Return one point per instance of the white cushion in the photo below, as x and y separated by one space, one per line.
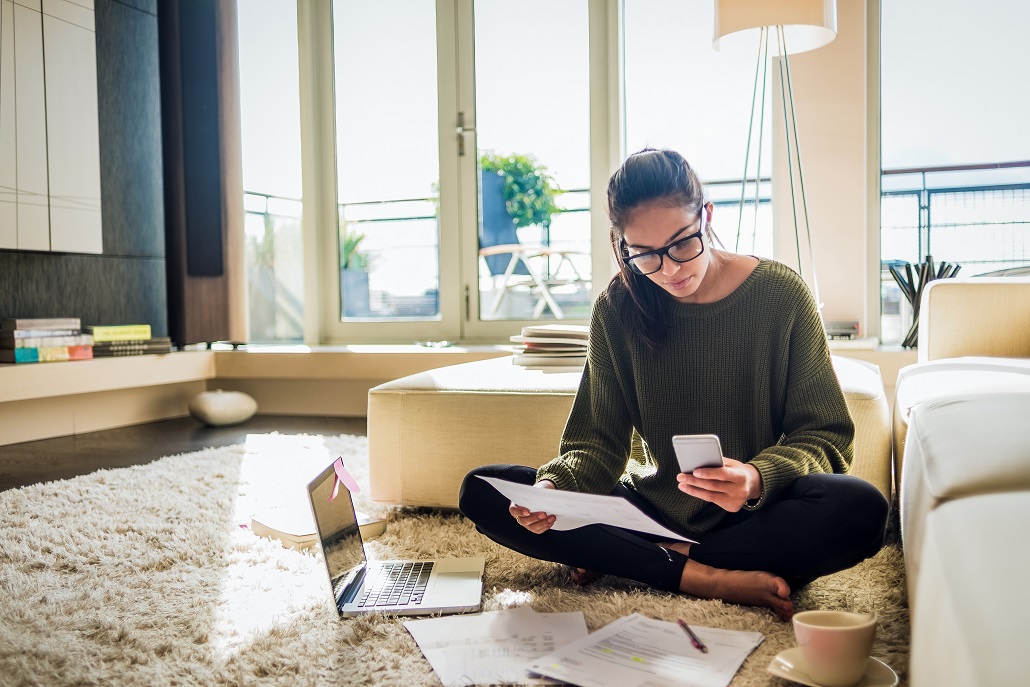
220 408
945 378
969 612
959 447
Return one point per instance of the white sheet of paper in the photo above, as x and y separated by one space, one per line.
574 509
494 647
634 651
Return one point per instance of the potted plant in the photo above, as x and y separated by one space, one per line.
354 266
517 191
529 191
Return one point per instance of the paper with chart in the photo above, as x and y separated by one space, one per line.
635 651
575 509
494 647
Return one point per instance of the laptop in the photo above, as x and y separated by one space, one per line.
396 587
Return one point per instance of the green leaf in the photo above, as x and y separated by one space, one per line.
529 191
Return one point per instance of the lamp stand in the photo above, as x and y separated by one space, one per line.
798 199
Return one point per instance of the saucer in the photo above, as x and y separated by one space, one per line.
790 665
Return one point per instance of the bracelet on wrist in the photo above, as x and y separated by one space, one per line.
753 504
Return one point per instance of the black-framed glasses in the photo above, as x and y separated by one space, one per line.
683 250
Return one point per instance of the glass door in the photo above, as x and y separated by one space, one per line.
527 80
394 283
462 137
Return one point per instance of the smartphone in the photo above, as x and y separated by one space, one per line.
697 451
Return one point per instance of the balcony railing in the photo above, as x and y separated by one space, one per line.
974 215
977 216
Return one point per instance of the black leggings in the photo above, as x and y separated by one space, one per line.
818 525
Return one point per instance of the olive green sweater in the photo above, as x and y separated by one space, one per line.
753 368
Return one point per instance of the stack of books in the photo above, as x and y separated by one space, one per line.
43 340
127 339
551 346
294 527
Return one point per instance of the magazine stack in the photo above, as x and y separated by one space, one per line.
114 340
551 346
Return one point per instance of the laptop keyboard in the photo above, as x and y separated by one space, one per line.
396 584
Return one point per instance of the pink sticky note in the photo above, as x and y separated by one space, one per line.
343 476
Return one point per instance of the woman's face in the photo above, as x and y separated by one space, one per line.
654 226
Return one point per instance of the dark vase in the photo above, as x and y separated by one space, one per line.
354 293
497 228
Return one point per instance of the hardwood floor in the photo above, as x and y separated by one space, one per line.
52 459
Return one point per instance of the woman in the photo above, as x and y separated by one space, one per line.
692 339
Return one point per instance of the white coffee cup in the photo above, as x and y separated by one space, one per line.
835 645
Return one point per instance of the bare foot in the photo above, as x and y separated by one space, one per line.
583 577
749 587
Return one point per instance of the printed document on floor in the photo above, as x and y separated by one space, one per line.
493 648
634 651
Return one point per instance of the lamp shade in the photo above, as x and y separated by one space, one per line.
807 24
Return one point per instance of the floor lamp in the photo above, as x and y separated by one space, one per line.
779 28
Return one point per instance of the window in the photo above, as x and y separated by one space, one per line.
533 116
412 107
440 110
387 160
270 110
956 176
447 166
682 94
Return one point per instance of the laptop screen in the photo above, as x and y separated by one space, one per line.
338 531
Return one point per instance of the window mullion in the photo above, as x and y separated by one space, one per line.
318 165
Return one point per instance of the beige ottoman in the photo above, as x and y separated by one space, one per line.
427 430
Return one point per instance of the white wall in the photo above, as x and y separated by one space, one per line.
837 119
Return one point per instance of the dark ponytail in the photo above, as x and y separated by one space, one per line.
648 176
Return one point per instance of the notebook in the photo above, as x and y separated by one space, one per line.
397 587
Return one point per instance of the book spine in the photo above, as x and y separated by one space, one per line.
120 332
44 341
162 345
156 341
20 355
12 334
41 323
46 354
121 352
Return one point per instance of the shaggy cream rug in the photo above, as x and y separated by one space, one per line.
147 576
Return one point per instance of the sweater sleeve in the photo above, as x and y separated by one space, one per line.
595 446
818 431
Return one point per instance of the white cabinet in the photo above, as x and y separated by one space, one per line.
30 125
8 138
49 134
73 145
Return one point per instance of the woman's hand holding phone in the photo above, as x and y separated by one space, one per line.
728 487
707 474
